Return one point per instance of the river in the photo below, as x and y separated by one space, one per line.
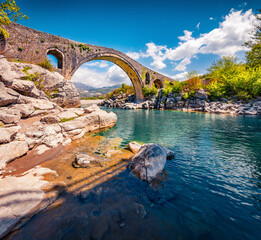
211 190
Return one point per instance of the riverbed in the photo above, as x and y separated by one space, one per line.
211 190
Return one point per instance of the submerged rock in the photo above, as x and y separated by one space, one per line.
150 161
134 147
82 160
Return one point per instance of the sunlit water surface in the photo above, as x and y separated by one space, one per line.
212 188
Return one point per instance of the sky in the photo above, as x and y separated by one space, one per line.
171 37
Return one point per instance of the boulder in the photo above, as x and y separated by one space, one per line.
52 135
82 160
106 119
50 119
170 103
78 123
201 94
11 151
134 147
67 114
91 109
24 109
7 134
5 97
150 161
53 140
8 116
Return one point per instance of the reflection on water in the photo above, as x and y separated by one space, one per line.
212 190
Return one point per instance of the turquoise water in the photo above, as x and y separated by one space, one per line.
211 190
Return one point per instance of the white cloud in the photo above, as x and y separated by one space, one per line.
92 77
103 65
92 64
133 55
100 64
211 18
225 40
182 65
187 36
180 76
198 25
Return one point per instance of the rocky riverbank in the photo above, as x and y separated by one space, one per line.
198 103
35 127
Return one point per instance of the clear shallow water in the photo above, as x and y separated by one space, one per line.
212 188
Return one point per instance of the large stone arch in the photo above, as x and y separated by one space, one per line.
123 63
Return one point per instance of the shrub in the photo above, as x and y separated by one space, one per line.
228 78
20 49
42 40
147 92
36 79
26 69
129 90
47 65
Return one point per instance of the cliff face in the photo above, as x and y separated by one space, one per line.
22 79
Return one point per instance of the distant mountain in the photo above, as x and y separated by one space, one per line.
81 86
88 91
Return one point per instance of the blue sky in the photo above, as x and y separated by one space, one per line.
172 37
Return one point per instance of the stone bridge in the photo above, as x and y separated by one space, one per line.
32 46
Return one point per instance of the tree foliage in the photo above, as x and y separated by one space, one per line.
9 12
253 56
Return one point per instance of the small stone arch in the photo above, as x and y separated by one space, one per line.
147 78
158 84
58 55
2 42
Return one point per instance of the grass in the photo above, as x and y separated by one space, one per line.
93 98
67 119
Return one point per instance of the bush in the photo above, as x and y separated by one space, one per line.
129 90
47 65
147 92
228 79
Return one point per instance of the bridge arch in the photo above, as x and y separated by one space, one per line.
123 63
58 55
158 84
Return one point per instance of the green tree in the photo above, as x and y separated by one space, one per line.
9 12
253 57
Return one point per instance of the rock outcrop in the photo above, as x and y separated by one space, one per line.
28 91
34 81
150 161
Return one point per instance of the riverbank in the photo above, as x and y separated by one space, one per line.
199 103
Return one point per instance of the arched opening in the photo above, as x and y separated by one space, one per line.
158 84
99 79
2 42
123 64
147 78
55 57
